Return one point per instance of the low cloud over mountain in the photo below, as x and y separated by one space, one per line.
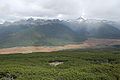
12 10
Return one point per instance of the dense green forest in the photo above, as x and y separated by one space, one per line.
90 64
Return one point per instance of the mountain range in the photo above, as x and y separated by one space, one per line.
53 32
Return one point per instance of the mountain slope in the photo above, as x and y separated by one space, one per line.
95 29
54 32
104 31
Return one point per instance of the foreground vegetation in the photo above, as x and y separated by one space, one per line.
96 64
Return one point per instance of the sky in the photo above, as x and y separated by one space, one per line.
12 10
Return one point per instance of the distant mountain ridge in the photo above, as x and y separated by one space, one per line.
54 32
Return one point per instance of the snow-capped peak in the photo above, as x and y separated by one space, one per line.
80 19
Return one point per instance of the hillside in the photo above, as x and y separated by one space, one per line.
31 33
54 32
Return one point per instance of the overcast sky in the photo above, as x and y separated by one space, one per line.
11 10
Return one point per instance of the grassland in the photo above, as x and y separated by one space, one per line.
102 64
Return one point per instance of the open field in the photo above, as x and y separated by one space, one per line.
90 43
88 64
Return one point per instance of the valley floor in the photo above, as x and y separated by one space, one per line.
90 43
86 64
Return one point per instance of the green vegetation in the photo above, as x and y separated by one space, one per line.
102 64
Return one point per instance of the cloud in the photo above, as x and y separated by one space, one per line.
12 10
